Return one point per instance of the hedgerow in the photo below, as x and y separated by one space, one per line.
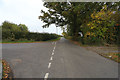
13 32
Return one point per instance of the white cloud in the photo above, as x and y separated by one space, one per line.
24 11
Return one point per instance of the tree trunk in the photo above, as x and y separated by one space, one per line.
75 31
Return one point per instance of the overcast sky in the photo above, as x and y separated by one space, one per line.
25 12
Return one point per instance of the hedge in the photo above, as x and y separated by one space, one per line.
13 35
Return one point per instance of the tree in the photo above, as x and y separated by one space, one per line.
13 31
77 15
68 13
7 26
23 27
102 25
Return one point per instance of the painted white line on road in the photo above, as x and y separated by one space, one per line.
49 65
54 48
51 58
52 53
46 76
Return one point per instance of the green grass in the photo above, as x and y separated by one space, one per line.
27 41
90 45
55 39
23 41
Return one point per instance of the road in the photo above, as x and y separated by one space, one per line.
60 59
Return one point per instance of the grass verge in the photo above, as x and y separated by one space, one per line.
55 39
29 41
19 41
112 56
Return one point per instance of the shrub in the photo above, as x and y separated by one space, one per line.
14 32
8 35
91 40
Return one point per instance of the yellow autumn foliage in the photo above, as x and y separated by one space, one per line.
88 33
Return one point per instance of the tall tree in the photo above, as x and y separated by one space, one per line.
68 13
23 27
72 14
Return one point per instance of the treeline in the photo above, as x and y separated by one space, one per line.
14 32
98 22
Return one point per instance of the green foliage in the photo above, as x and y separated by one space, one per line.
14 32
102 25
76 14
68 13
8 26
41 36
23 27
92 41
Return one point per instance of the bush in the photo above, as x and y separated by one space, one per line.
41 36
91 40
12 36
14 32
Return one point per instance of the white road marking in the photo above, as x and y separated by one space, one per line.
51 58
53 53
53 50
46 76
49 65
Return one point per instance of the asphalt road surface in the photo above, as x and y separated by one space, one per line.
60 59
